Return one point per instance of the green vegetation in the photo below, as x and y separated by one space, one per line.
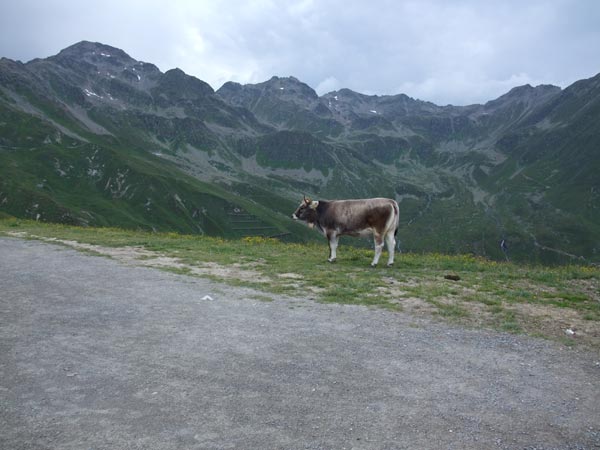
84 142
541 301
99 183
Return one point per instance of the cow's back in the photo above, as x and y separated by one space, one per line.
354 216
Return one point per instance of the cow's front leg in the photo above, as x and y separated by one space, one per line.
378 248
333 243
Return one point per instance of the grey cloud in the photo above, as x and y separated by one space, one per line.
456 52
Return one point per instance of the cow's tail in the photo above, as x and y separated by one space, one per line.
396 213
396 222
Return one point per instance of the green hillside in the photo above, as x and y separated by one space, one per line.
91 136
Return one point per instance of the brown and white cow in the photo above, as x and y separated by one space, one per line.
377 216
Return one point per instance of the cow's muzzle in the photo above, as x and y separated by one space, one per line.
294 216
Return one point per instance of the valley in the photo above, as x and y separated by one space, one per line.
93 137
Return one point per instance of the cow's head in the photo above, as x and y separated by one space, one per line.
307 210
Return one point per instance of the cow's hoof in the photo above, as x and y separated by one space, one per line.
390 264
373 264
331 260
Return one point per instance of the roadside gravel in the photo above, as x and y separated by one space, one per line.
100 354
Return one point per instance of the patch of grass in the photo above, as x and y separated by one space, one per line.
496 309
355 290
484 298
519 296
507 321
570 298
452 311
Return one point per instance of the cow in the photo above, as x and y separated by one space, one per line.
376 216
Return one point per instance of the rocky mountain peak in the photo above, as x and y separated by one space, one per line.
93 52
528 91
289 87
525 96
93 58
177 84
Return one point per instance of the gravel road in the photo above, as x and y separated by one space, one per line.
97 354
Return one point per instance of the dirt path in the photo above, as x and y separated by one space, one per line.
97 353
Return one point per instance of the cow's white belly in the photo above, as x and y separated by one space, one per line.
366 232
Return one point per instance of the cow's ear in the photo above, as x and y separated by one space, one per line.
314 204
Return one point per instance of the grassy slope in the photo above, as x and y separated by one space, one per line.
104 182
537 300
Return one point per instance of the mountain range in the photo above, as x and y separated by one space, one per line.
91 136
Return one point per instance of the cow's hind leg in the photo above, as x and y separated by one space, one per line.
378 248
333 243
391 246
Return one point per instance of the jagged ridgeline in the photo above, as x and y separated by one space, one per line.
92 136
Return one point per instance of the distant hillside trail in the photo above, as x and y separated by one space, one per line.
98 353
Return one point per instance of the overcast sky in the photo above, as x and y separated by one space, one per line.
448 52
